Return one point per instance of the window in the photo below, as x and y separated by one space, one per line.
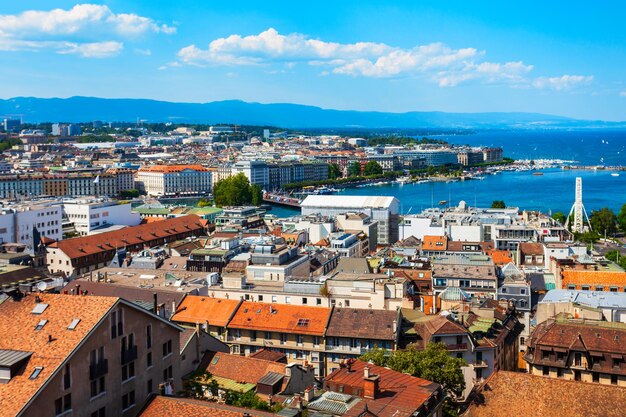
459 355
304 300
578 360
36 372
613 289
97 386
260 298
167 348
459 340
559 373
287 300
585 287
167 373
117 324
599 288
253 336
613 379
149 359
63 404
268 335
128 371
522 291
149 336
522 341
437 339
318 301
99 413
595 376
128 400
316 341
346 303
283 338
149 387
299 339
546 370
274 299
545 355
67 379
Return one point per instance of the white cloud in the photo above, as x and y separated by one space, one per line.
562 83
623 93
443 64
92 49
79 30
145 52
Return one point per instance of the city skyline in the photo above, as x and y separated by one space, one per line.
554 59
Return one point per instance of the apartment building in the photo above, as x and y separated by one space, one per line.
59 184
579 350
474 274
298 331
29 223
162 180
83 356
88 215
88 253
383 210
270 262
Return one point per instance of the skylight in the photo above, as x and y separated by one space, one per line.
39 308
73 324
36 372
40 325
303 322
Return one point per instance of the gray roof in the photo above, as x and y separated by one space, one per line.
334 403
271 378
349 201
9 358
594 299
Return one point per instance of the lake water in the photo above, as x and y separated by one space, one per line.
553 191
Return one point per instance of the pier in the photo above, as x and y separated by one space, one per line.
281 200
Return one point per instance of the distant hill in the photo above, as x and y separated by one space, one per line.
85 109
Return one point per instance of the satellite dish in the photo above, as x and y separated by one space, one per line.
42 286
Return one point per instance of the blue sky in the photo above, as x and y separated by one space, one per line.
565 58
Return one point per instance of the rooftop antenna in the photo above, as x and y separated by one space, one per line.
578 209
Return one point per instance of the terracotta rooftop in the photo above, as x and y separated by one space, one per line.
531 248
241 368
520 394
400 394
281 318
166 169
269 355
198 309
17 327
129 236
592 277
435 243
184 407
362 323
500 257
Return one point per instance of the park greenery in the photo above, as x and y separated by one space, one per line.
604 224
8 143
434 363
372 168
498 204
237 191
334 171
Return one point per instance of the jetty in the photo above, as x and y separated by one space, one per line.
282 200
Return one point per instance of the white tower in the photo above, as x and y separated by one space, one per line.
578 209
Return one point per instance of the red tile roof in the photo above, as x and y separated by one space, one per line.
400 394
129 236
592 277
242 369
166 169
363 323
281 318
184 407
17 330
435 243
520 394
198 309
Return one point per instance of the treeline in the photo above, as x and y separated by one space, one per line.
8 143
604 223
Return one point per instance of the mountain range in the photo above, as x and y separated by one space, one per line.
286 115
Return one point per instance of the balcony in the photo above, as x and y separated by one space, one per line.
129 355
480 364
459 346
99 369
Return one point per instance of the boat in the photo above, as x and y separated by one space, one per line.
538 173
615 174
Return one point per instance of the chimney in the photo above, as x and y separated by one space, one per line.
78 289
370 386
395 326
155 308
366 372
198 328
309 393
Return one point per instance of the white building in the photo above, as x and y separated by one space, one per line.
159 180
89 215
28 223
383 210
257 172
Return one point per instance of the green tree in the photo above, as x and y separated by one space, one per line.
603 221
334 171
256 194
232 191
560 217
372 168
354 169
498 204
129 193
433 363
621 219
